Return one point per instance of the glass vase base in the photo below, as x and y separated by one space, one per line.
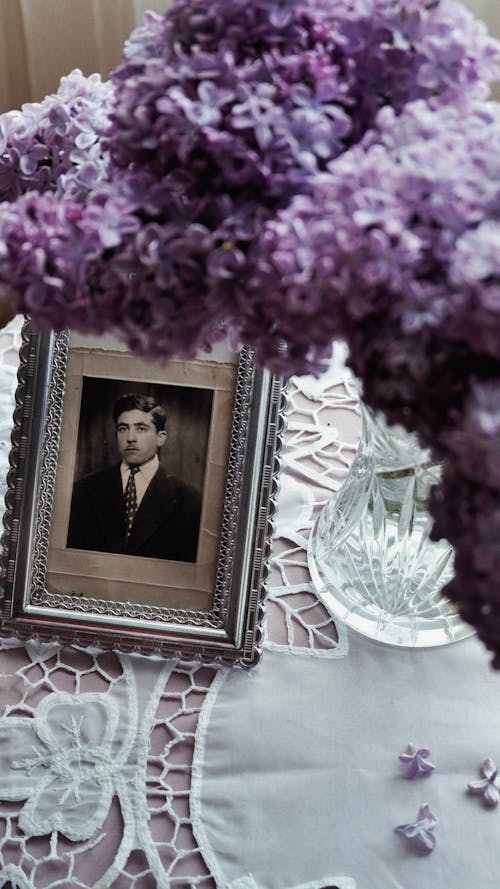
393 597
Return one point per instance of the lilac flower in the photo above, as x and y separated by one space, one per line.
421 833
313 137
489 785
380 235
280 12
417 761
256 111
447 50
45 142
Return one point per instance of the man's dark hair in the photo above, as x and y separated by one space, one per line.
144 403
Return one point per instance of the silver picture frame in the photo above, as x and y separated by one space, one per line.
208 609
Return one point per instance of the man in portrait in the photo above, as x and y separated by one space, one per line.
136 507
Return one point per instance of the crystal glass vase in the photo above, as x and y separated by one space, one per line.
370 555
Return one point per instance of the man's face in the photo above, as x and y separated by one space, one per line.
137 437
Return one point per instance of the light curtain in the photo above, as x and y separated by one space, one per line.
40 40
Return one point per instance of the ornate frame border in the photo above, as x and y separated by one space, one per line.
231 631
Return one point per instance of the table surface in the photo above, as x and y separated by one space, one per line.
131 772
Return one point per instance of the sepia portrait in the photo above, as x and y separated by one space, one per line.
140 466
140 499
162 432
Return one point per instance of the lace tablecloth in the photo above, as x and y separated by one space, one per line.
138 773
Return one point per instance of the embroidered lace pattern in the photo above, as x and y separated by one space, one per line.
323 431
98 751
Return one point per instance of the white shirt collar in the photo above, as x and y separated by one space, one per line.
147 470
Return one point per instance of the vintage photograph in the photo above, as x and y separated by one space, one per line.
140 469
140 481
140 500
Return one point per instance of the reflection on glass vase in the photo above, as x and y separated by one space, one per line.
370 555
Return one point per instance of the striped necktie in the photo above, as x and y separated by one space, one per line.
130 500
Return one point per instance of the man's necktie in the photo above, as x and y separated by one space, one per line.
130 500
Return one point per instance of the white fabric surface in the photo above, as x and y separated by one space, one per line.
301 776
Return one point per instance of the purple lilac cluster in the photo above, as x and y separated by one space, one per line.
488 786
54 145
403 230
222 112
420 833
253 101
284 173
398 253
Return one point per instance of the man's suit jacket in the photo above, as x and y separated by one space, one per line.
165 526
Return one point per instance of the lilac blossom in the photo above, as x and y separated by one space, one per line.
247 107
250 104
416 761
277 62
54 144
420 833
488 786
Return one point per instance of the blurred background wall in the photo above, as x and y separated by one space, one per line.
40 40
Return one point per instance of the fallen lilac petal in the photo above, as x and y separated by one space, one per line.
420 833
491 795
416 761
488 786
